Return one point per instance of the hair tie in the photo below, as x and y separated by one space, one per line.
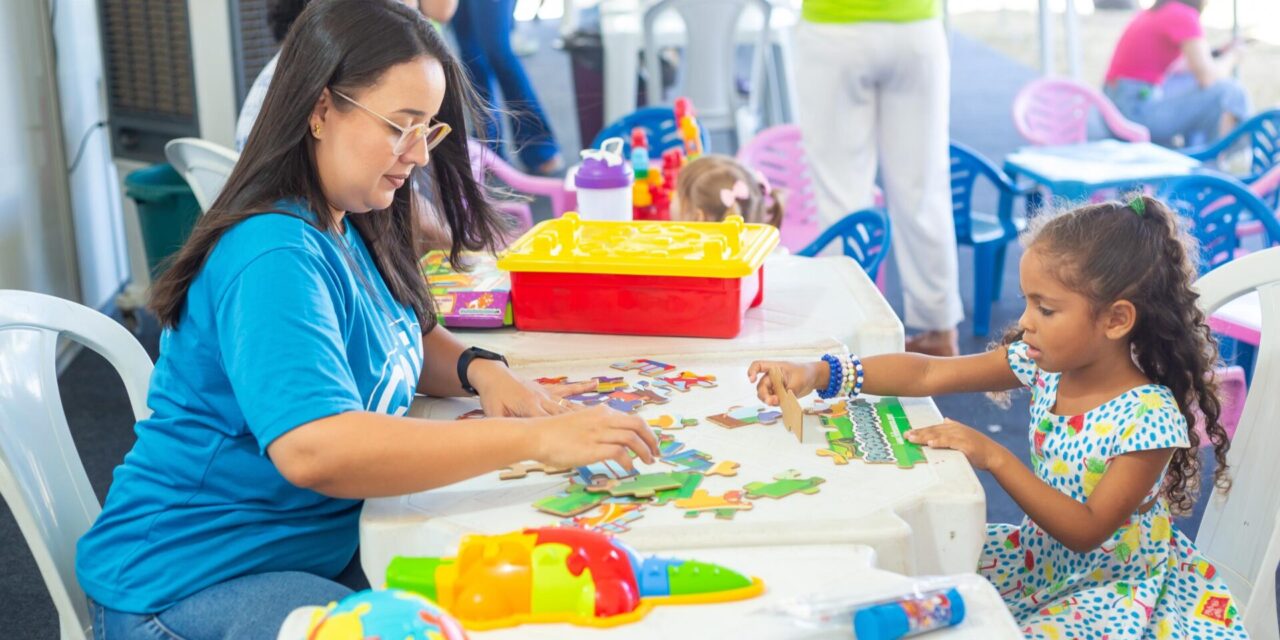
1138 205
730 197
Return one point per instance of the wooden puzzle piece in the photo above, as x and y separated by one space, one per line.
668 422
645 366
570 502
726 468
701 500
688 380
835 457
783 486
690 484
612 517
831 408
792 414
742 416
644 485
598 474
517 471
606 384
690 460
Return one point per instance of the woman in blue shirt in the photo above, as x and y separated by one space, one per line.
297 330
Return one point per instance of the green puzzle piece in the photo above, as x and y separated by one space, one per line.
721 514
783 488
894 424
573 501
647 485
841 423
691 482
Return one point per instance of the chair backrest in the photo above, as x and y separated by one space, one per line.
41 476
1262 135
864 236
778 153
1051 111
967 165
1240 532
204 165
710 53
1215 204
484 162
660 125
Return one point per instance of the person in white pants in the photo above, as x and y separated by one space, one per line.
879 90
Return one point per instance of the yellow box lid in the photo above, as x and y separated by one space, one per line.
729 249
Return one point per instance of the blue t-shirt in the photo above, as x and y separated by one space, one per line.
285 324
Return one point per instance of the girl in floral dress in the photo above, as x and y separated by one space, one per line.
1119 362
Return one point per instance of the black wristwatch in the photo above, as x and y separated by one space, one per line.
465 359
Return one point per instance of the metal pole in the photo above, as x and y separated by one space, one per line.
1072 28
1046 39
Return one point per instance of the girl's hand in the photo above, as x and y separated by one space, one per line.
502 394
982 452
592 435
801 379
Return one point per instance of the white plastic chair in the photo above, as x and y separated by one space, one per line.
41 476
1240 533
204 165
709 62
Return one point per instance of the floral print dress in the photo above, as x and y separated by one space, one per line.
1147 580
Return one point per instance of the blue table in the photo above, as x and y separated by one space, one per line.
1074 172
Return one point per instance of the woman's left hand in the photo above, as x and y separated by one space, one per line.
982 452
502 394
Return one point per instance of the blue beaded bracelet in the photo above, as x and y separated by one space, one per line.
836 375
857 377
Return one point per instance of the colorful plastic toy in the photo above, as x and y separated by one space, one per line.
561 574
384 614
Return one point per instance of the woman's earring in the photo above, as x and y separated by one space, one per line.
316 128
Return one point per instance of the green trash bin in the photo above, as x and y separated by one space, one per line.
167 210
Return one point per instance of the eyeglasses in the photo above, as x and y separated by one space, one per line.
429 134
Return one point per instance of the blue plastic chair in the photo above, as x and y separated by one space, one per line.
1216 204
659 122
864 236
988 234
1263 131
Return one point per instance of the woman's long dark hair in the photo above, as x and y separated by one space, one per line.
1108 252
345 45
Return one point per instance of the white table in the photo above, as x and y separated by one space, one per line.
622 33
926 520
788 572
809 305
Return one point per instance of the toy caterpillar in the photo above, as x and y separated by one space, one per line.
561 574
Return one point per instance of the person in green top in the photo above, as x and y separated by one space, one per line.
872 77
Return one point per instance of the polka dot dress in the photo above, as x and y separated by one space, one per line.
1147 580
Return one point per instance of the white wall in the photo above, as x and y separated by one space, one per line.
36 235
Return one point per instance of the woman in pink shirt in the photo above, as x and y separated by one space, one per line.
1190 113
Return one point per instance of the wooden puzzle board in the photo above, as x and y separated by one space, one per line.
928 519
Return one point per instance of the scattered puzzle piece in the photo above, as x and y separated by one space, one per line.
690 459
726 468
550 381
644 485
784 484
688 380
822 407
646 367
691 482
612 517
835 457
517 471
721 514
572 501
597 475
742 416
703 501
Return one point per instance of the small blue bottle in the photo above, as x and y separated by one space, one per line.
909 616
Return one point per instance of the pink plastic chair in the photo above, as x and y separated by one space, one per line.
1265 188
484 162
778 153
1053 111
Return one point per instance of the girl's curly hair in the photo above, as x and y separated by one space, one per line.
1141 252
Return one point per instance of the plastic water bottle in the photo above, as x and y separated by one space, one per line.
604 183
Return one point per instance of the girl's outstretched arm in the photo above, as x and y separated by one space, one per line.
896 374
1080 526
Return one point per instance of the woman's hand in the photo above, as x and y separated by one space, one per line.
982 452
801 379
502 394
584 437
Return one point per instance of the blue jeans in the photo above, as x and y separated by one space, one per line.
252 606
1180 107
483 30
